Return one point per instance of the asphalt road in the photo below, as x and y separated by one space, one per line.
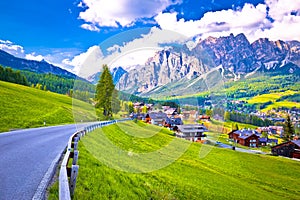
26 155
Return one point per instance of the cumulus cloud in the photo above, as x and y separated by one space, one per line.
86 63
112 13
18 51
282 8
135 52
219 23
90 27
53 56
33 56
12 48
286 17
253 21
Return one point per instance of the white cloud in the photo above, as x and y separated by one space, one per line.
18 51
80 5
90 27
286 16
12 48
135 52
33 56
53 56
219 23
250 20
86 62
282 8
111 13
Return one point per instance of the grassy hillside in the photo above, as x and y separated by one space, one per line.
222 174
269 97
24 107
276 100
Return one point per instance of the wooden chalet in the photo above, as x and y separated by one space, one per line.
156 118
289 149
192 132
245 137
171 122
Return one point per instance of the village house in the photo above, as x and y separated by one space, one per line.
171 122
192 132
245 137
185 114
171 112
190 114
139 106
271 130
156 118
289 149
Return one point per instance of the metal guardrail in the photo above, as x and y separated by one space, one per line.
67 174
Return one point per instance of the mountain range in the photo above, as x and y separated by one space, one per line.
181 70
177 71
41 67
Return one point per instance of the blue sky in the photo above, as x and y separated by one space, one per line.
63 31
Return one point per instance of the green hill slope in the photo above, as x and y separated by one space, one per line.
24 107
222 174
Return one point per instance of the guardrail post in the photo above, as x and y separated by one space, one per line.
75 146
67 187
76 139
73 178
75 157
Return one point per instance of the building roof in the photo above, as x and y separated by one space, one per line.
192 128
157 115
174 120
247 136
246 133
170 111
296 142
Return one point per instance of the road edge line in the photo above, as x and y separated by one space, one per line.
41 190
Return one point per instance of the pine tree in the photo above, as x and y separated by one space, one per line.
104 91
289 130
116 107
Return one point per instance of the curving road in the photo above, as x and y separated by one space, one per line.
25 157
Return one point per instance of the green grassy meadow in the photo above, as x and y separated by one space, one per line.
25 107
273 97
269 97
221 174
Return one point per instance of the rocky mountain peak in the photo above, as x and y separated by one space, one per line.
235 56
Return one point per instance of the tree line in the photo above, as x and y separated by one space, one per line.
78 89
57 84
13 76
246 119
